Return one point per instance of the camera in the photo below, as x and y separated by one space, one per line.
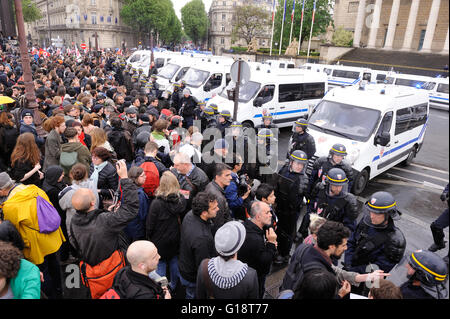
243 185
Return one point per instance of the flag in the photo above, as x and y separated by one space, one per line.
314 11
303 8
293 11
273 10
284 11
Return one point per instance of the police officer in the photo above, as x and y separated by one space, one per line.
437 227
301 139
215 108
208 118
427 274
156 91
267 119
265 162
292 185
323 164
332 201
188 105
224 121
175 97
238 143
376 239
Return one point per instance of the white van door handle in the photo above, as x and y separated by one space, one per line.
282 107
396 142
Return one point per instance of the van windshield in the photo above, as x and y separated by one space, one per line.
195 77
246 92
168 71
349 121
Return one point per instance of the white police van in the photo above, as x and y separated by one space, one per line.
175 69
342 75
380 126
206 79
287 94
438 93
280 64
142 59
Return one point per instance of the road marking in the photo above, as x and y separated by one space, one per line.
408 183
419 173
430 168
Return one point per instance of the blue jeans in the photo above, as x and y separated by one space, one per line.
190 288
173 268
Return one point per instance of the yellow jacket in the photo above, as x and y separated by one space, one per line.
21 209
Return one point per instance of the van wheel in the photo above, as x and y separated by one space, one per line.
360 182
247 124
411 155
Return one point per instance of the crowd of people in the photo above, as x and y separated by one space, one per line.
126 181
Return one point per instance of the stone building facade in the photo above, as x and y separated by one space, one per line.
404 25
78 21
221 27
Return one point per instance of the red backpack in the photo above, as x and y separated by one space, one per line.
152 180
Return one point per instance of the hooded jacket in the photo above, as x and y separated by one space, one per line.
132 285
135 229
163 224
84 156
230 279
51 185
96 234
223 215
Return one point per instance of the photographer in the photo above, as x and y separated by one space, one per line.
238 191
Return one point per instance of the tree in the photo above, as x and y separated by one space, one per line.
195 21
342 37
147 16
322 19
30 11
249 21
174 31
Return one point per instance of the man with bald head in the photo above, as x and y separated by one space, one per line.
133 281
97 234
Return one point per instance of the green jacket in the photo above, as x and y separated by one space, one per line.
27 283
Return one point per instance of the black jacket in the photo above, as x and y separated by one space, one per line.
107 180
196 244
164 224
223 215
303 142
255 251
132 285
188 104
96 234
306 258
120 140
10 234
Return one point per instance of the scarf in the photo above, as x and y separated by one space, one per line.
97 170
81 139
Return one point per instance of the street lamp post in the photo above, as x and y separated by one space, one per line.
28 79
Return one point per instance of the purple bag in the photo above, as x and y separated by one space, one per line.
48 217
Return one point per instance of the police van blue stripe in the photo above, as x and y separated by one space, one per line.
283 113
438 98
403 145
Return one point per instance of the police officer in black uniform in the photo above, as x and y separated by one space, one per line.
238 143
267 122
187 110
427 276
175 97
376 239
224 121
332 201
265 161
301 139
437 227
292 185
335 158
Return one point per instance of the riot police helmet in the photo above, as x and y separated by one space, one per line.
209 112
226 115
430 268
381 203
338 149
300 157
336 177
301 122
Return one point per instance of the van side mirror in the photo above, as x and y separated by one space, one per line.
258 102
207 87
383 139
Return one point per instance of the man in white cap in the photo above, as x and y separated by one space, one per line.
225 277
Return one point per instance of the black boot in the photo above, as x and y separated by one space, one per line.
438 237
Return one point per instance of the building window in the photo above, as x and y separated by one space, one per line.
353 6
223 28
94 18
224 17
109 19
222 40
92 2
224 3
